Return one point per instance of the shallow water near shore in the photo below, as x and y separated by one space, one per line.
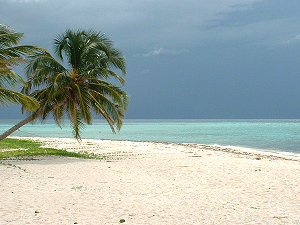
268 135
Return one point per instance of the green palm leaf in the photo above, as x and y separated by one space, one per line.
12 55
9 96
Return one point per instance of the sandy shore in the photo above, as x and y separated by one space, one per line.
150 183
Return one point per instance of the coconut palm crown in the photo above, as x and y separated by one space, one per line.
81 88
12 55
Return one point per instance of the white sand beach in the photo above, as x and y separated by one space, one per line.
150 183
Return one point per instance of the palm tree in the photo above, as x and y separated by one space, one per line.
81 89
13 55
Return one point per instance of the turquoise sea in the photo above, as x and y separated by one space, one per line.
268 135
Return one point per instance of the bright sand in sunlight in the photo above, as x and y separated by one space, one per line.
150 183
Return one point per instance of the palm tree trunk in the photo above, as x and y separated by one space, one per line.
20 124
30 118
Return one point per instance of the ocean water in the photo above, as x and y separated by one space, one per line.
268 135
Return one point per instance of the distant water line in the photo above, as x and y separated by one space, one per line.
269 135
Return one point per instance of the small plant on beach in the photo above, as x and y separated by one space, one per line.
122 221
79 188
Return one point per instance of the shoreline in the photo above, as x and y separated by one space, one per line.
272 135
150 183
230 149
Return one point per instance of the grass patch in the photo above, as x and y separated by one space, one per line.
15 149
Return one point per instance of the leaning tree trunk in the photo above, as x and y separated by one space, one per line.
20 124
30 118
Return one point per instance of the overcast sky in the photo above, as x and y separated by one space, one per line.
192 59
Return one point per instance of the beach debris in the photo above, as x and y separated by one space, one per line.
122 221
279 217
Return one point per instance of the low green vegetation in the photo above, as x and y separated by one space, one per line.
15 148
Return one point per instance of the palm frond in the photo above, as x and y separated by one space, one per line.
42 69
84 103
102 105
100 110
9 78
119 96
8 36
9 96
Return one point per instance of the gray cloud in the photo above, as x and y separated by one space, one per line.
292 40
161 51
134 23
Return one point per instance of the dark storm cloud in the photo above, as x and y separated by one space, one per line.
151 21
186 59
